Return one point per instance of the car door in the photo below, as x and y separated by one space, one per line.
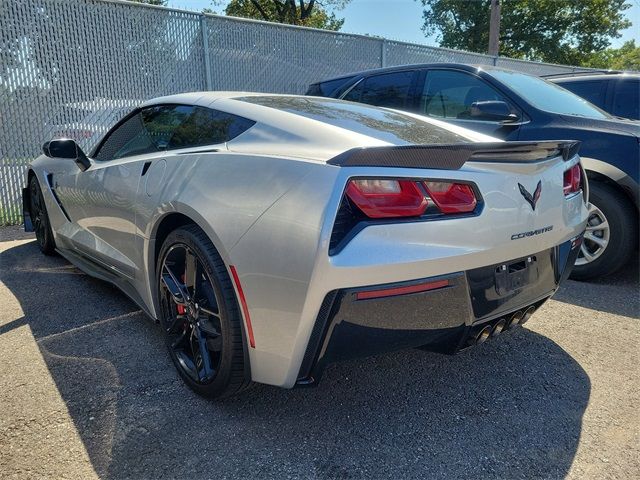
448 95
626 98
101 202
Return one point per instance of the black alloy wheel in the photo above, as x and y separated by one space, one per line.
199 314
40 218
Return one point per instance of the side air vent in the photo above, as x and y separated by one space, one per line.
348 217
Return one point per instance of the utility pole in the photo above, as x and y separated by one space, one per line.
494 28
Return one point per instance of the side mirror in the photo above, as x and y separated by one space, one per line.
494 110
66 148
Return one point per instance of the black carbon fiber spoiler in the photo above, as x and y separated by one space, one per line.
453 157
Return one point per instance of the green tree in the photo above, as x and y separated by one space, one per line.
559 31
627 57
310 13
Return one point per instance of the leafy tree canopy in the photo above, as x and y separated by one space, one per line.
558 31
310 13
627 57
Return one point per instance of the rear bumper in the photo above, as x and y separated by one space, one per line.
442 313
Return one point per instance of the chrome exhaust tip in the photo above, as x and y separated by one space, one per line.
516 319
498 327
483 335
527 314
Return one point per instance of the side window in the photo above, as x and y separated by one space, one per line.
449 94
626 100
355 93
593 91
386 90
169 127
208 127
147 131
328 87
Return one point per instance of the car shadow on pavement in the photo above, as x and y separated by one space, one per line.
617 293
510 408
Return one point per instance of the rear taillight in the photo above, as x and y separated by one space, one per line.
389 198
452 197
572 180
379 198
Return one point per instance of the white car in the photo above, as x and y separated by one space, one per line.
272 234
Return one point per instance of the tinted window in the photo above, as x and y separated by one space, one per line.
449 94
546 95
145 132
592 90
325 89
386 90
207 127
394 127
626 101
168 127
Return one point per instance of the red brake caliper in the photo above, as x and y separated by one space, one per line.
181 308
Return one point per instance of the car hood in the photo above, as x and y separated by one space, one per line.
610 125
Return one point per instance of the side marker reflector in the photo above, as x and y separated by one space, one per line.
390 292
243 304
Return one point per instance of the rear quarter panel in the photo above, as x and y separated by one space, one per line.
223 193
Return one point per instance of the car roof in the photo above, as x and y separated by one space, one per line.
412 66
200 98
318 128
591 76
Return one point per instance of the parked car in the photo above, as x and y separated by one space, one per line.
516 106
616 93
270 235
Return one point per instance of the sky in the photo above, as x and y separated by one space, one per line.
400 19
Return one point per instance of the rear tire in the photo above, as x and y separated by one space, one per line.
205 332
608 208
40 218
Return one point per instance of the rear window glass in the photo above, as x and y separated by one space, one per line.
382 124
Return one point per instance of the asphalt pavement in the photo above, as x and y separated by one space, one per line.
87 390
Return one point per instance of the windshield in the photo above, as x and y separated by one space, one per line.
546 95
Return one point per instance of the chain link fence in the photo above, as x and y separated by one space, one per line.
73 68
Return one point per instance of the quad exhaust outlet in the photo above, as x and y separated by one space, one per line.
481 333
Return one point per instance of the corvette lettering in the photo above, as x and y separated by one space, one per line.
531 233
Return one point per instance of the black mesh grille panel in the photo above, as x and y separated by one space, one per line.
317 334
348 217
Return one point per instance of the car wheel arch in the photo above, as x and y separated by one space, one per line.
600 171
164 225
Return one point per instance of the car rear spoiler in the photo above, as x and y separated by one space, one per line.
453 157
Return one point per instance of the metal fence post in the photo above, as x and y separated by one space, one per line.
35 104
205 52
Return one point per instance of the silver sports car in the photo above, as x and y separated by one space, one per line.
270 235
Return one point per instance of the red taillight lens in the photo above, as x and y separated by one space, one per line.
572 180
452 197
381 198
